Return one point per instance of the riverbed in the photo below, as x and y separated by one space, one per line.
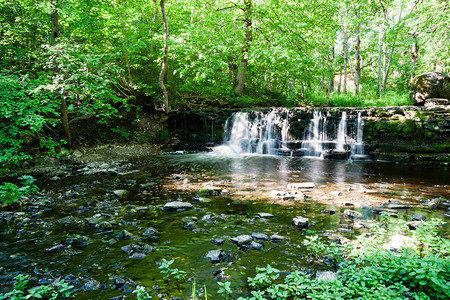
103 225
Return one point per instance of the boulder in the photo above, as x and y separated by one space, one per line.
177 205
352 214
275 238
241 240
419 217
79 241
429 85
264 215
300 222
215 255
257 246
260 236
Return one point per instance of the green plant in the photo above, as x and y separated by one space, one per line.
10 193
264 277
141 293
225 289
60 289
171 273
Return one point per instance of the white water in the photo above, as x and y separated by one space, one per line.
260 133
268 133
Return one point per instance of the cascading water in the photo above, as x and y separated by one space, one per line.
315 135
358 147
341 140
254 133
270 133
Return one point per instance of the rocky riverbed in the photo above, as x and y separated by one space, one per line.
106 225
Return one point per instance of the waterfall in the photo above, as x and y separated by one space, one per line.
315 135
254 133
341 140
358 147
271 133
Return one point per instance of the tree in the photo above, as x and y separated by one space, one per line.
164 64
243 64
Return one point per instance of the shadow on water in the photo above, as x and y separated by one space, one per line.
81 199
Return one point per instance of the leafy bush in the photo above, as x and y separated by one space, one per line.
368 271
10 193
23 114
57 290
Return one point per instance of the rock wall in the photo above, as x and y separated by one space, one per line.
410 135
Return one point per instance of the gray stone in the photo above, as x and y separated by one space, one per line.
217 241
127 249
352 214
260 236
55 249
300 222
79 241
419 217
150 231
429 85
326 276
137 255
265 215
120 193
215 255
178 205
275 238
126 234
328 212
241 240
257 246
91 285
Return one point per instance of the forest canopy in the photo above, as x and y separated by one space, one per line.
63 61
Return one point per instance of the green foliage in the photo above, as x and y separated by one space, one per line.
368 271
23 115
176 274
57 290
225 289
10 193
141 293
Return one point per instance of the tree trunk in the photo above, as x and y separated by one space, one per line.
346 55
55 23
415 47
164 65
357 50
65 122
242 69
380 61
414 53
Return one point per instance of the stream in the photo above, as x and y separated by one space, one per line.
104 229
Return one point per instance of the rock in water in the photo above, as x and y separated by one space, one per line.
215 255
300 222
429 85
177 205
241 240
